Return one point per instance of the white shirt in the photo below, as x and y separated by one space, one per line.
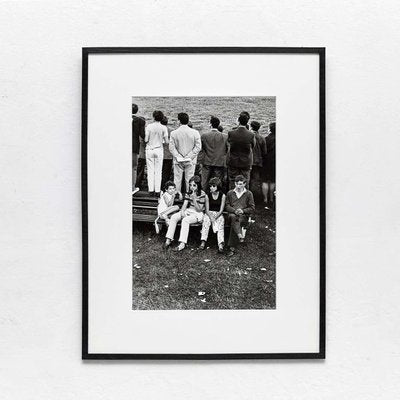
240 194
155 135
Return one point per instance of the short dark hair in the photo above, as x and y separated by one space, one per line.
255 125
240 178
183 118
196 179
214 121
135 108
158 115
244 118
168 184
217 182
190 125
220 128
164 121
272 127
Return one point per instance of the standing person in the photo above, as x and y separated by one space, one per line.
192 211
239 205
240 150
215 205
155 135
166 174
138 133
213 145
184 145
259 153
269 168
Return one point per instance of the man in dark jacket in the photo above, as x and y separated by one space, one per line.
239 205
213 145
240 150
138 124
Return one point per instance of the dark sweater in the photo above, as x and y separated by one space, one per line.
245 202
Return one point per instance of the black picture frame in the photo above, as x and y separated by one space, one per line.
320 52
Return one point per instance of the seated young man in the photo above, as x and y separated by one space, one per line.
239 205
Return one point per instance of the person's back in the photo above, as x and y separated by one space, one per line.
185 140
214 147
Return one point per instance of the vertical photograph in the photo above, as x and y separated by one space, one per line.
203 203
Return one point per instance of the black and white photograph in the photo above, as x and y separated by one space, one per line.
203 203
203 218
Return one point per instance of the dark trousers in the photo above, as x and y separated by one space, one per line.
233 172
236 222
211 171
140 172
167 173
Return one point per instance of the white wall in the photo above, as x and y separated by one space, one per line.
40 232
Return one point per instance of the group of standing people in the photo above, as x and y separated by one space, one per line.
184 152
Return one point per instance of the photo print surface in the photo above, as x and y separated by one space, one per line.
203 203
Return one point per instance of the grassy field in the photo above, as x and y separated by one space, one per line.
164 279
227 109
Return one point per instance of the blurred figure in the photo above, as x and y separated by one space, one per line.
259 153
138 133
269 168
167 163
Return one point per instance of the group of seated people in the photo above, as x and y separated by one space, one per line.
180 154
207 208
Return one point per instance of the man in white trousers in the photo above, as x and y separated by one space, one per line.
184 145
155 135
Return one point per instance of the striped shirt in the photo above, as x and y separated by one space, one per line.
201 200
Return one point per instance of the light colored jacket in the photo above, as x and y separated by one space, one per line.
185 142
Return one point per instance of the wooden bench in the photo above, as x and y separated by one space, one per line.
144 209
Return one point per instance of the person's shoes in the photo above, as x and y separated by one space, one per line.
231 252
202 245
135 190
157 194
221 249
167 244
180 247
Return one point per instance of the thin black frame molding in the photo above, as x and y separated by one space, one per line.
320 51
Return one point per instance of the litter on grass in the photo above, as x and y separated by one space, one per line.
137 251
263 269
248 269
207 260
203 300
166 286
201 293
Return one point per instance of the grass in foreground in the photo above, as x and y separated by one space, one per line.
168 280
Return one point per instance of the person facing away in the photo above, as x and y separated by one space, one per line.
185 144
240 206
138 133
192 211
213 145
259 153
214 207
269 168
155 135
239 158
166 174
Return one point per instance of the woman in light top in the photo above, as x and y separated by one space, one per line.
215 204
155 135
192 211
